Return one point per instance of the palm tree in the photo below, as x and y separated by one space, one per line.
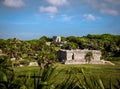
89 56
14 47
8 80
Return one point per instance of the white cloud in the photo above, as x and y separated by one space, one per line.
109 11
51 16
104 7
115 2
89 17
57 2
13 3
66 18
49 9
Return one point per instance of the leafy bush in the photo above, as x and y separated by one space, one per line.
24 62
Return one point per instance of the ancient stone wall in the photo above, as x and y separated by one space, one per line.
62 55
78 56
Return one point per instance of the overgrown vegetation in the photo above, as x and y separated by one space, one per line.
89 56
33 49
59 76
47 75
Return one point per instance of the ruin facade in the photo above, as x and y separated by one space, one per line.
78 56
56 38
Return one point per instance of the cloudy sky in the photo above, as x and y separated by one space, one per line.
31 19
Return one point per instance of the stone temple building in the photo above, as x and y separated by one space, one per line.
78 56
56 38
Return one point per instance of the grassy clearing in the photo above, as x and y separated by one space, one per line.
106 72
26 70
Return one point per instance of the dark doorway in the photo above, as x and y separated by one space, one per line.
72 56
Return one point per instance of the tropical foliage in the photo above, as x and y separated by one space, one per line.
107 43
38 50
89 56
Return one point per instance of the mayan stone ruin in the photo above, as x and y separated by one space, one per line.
78 56
56 38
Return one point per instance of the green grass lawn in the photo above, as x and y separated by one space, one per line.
106 72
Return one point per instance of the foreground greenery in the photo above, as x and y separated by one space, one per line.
108 74
59 76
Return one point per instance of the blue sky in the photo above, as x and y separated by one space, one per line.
31 19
